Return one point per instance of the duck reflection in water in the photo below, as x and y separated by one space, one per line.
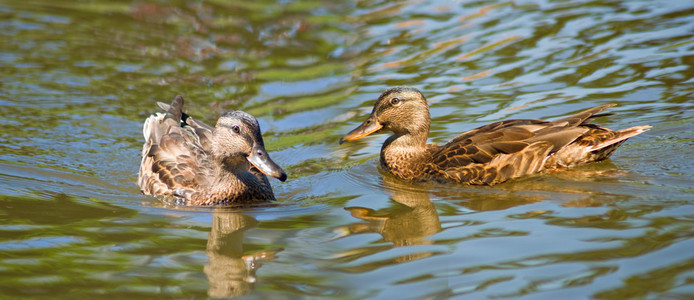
410 222
229 272
414 218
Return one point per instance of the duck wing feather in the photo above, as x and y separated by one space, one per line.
174 158
512 148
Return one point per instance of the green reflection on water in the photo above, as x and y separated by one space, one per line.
77 80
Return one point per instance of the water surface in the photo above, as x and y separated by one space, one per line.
78 79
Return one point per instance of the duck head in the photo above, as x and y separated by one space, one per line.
236 138
402 110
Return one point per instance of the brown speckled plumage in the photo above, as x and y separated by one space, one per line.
486 155
196 164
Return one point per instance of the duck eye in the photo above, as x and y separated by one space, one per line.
235 128
394 101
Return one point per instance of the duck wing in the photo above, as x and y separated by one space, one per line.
201 130
174 161
508 149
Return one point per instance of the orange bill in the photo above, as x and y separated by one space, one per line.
368 127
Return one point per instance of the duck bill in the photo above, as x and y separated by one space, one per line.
368 127
261 160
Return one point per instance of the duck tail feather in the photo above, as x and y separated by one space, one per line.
620 136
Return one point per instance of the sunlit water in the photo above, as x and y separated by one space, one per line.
78 79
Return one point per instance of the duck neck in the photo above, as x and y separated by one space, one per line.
402 154
232 181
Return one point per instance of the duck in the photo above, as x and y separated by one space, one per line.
486 155
195 164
